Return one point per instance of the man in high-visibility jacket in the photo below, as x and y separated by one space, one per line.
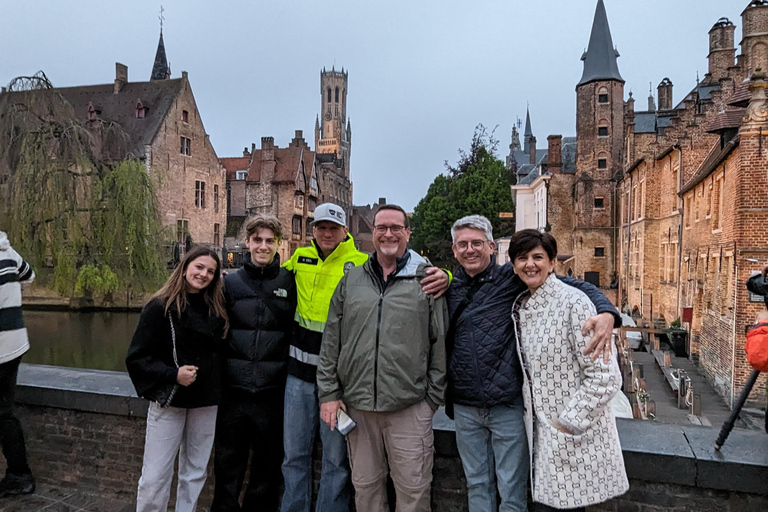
318 269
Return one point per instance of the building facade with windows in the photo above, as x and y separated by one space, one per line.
666 206
165 130
290 182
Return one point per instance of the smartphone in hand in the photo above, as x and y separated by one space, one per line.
344 424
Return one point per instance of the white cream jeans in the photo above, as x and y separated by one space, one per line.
188 432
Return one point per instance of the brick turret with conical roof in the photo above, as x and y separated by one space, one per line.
599 135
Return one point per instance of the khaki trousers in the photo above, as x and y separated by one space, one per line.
405 439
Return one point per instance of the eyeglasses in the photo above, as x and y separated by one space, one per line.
383 229
476 245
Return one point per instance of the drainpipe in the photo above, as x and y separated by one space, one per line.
680 226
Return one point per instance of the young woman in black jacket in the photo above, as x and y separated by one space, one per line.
174 362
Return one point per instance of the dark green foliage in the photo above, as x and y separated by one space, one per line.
478 184
66 207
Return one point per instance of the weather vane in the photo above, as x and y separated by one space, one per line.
161 18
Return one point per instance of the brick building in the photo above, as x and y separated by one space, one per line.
570 188
694 205
668 203
165 130
290 182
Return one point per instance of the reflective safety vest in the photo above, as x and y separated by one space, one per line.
316 280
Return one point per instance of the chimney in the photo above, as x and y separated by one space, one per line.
554 153
721 48
121 76
298 138
245 151
665 94
533 149
382 201
267 143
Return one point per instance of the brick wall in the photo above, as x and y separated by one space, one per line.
178 173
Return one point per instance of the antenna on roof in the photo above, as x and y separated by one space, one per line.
161 18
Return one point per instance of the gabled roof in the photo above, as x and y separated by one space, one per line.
715 157
233 164
740 96
157 97
726 120
600 57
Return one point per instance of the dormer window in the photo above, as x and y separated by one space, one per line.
241 175
141 110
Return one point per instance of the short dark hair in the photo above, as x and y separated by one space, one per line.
396 208
263 221
526 240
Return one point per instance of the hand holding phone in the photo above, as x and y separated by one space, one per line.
344 424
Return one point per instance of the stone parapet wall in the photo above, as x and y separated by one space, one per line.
85 428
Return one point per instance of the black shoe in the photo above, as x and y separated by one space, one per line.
16 484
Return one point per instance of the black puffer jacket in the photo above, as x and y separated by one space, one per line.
261 302
198 341
483 368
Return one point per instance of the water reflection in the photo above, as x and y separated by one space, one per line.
96 340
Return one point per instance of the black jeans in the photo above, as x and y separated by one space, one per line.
11 435
248 424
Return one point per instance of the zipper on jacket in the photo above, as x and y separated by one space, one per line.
376 354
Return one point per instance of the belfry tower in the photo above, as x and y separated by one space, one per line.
333 131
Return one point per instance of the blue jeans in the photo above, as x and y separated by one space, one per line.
302 416
494 449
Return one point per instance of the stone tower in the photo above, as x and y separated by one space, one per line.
754 42
333 131
599 135
722 52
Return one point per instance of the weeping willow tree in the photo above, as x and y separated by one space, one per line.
75 198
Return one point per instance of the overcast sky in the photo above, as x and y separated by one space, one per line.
422 74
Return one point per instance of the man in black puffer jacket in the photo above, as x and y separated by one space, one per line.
484 374
261 301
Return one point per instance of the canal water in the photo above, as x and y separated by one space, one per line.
96 340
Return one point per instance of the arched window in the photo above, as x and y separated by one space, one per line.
337 95
602 128
602 95
329 95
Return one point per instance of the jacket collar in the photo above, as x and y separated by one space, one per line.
545 292
488 274
341 251
268 272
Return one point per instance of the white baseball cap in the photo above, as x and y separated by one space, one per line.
330 212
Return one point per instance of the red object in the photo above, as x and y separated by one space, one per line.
757 347
688 314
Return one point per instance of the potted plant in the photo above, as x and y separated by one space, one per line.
678 338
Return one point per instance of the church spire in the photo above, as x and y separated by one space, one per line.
600 57
161 70
528 134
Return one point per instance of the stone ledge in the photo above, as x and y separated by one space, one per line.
653 452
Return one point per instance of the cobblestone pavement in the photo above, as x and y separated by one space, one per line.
51 498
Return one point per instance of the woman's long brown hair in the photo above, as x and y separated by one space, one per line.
174 291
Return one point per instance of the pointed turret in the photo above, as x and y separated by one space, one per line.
528 135
600 57
161 70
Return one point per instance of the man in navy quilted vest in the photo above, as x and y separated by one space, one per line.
484 374
14 272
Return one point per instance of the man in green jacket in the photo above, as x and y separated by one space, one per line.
382 360
318 269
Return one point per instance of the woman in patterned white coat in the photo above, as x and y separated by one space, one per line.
576 457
